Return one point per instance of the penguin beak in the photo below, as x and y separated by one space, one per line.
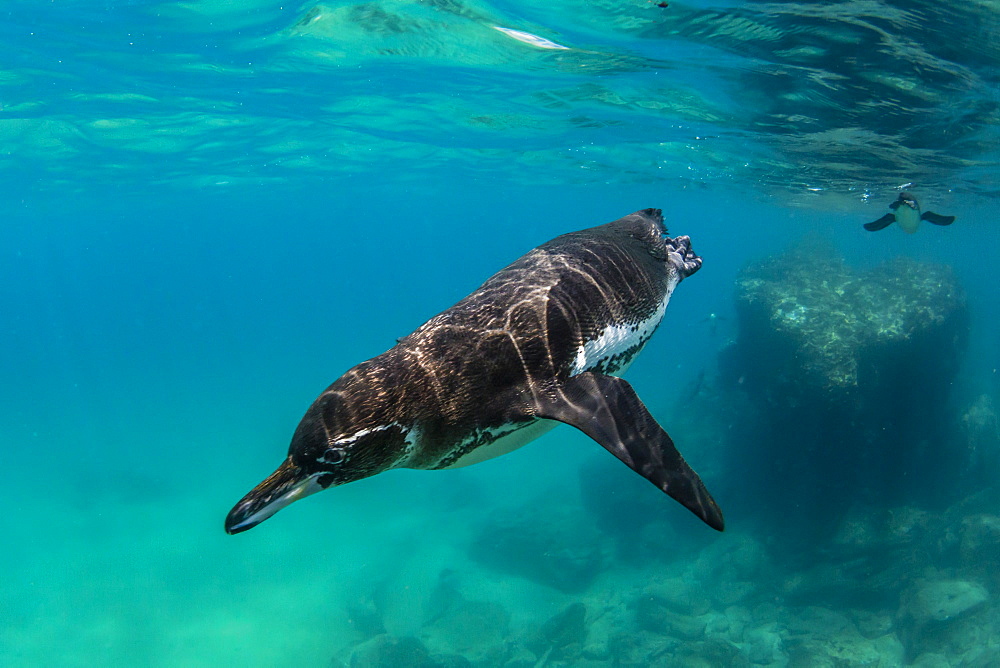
285 485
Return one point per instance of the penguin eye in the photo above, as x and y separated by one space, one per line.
334 455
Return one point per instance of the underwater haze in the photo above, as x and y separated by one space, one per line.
212 209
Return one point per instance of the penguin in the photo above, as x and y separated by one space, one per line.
907 214
541 342
713 323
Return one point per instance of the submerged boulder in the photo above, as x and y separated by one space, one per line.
848 373
652 614
940 616
829 332
943 601
980 544
387 651
562 636
476 630
558 548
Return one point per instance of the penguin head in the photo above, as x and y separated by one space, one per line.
646 227
327 449
908 199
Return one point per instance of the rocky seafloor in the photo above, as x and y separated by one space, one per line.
864 522
895 587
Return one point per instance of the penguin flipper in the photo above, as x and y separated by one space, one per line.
936 218
882 223
607 409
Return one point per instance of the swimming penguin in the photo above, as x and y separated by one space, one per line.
907 215
713 323
537 344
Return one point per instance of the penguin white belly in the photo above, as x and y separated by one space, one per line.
617 339
908 219
508 439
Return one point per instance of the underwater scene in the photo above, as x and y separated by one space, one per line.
212 210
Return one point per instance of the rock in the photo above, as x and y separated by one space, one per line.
763 645
980 542
364 617
717 625
872 624
567 627
442 596
651 614
387 651
521 657
847 649
931 660
748 558
410 597
633 648
824 582
732 557
818 622
828 320
944 600
557 549
735 565
731 592
562 636
711 653
602 631
739 619
680 595
451 661
476 630
936 615
864 361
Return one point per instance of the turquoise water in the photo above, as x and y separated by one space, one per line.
212 209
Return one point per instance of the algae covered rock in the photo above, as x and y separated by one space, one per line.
848 373
828 330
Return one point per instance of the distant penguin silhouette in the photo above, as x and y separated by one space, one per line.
713 323
907 214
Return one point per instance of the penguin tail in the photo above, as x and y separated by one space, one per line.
882 223
936 218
